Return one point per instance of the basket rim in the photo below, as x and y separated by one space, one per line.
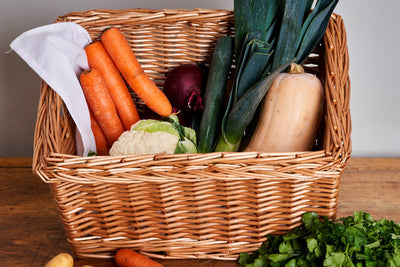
146 15
301 166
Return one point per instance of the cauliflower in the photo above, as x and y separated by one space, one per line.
153 136
140 142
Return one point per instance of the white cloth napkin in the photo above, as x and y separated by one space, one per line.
56 53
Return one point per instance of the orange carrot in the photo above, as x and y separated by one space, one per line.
99 59
100 102
125 60
102 147
129 258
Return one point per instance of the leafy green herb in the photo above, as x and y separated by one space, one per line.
356 240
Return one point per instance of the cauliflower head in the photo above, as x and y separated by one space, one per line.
155 136
140 142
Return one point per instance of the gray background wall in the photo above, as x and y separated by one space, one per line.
373 40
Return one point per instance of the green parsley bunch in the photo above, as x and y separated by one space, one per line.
356 240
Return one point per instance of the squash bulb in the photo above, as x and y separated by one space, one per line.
290 113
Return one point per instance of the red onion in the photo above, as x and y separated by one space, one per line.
183 87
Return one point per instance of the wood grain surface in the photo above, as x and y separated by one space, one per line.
31 232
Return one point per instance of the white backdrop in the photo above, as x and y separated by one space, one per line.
373 39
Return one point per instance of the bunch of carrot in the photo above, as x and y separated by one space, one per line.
112 110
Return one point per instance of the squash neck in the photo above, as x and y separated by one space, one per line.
295 69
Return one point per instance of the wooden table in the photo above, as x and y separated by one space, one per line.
31 232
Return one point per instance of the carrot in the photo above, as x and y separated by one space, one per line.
102 147
99 59
100 102
129 258
125 60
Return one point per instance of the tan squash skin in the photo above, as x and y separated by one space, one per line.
290 114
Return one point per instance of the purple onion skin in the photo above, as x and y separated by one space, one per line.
183 87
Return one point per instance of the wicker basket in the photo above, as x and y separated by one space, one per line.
210 206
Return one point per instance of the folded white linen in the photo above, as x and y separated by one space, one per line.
56 53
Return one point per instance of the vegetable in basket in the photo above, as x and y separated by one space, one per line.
214 94
156 136
183 86
99 59
290 113
125 60
102 146
100 102
270 35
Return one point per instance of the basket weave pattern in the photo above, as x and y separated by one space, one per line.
212 205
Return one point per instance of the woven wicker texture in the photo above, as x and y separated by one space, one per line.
212 205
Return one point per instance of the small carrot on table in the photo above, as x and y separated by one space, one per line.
102 147
118 48
99 59
100 102
129 258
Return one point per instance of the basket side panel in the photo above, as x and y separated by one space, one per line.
54 130
209 218
337 91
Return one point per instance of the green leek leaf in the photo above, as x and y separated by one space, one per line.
255 58
243 23
314 29
292 22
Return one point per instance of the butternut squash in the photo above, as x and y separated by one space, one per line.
290 113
